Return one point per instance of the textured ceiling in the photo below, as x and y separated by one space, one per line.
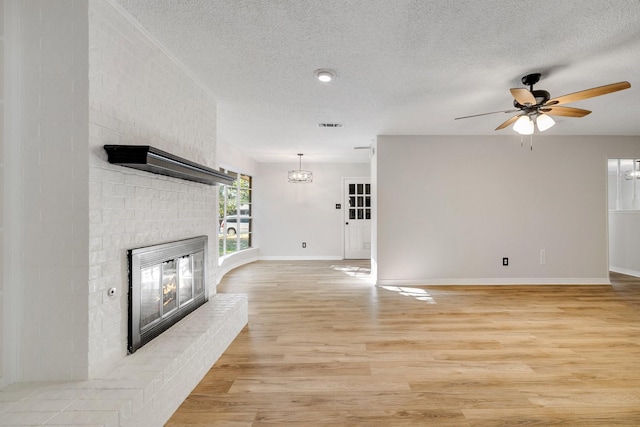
404 67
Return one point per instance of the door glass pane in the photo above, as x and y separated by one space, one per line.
367 201
149 295
360 201
367 189
352 214
186 279
169 286
367 214
360 188
352 202
360 213
352 189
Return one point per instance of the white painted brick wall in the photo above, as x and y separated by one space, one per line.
138 95
143 389
52 170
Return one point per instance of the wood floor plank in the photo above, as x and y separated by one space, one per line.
368 383
364 418
576 416
326 348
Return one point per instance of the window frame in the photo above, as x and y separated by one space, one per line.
235 200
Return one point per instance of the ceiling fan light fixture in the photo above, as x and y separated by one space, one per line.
524 125
544 122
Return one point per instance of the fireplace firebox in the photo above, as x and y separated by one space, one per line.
166 282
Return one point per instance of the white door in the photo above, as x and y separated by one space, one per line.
357 218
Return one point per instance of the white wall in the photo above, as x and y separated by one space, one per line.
231 158
45 182
288 214
624 244
139 95
450 208
374 210
3 325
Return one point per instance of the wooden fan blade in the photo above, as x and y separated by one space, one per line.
523 96
508 122
589 93
486 114
565 111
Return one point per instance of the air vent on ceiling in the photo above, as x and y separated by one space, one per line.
330 125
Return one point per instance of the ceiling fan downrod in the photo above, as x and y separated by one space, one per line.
531 79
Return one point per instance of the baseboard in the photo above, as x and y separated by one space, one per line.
497 281
626 271
301 258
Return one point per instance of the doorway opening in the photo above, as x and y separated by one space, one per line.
623 195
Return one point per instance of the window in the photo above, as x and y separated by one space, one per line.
359 201
236 223
624 184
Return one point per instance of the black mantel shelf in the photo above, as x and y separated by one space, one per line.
150 159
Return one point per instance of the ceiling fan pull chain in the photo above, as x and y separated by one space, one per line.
531 141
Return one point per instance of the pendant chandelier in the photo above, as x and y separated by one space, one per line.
298 176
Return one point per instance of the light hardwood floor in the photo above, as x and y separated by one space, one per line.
324 347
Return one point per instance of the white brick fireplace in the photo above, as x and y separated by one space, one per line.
139 95
89 75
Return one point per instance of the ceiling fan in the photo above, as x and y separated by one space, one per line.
537 106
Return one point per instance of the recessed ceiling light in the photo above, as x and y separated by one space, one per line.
325 75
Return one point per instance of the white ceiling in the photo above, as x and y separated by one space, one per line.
404 67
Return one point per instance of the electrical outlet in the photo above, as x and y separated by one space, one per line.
543 257
304 245
505 261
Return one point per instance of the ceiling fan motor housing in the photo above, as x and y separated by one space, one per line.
541 97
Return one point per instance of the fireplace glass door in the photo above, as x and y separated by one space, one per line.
150 309
198 273
169 287
167 282
185 268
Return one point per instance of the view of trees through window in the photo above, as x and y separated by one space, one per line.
234 213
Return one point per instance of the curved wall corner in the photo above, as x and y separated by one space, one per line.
235 260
